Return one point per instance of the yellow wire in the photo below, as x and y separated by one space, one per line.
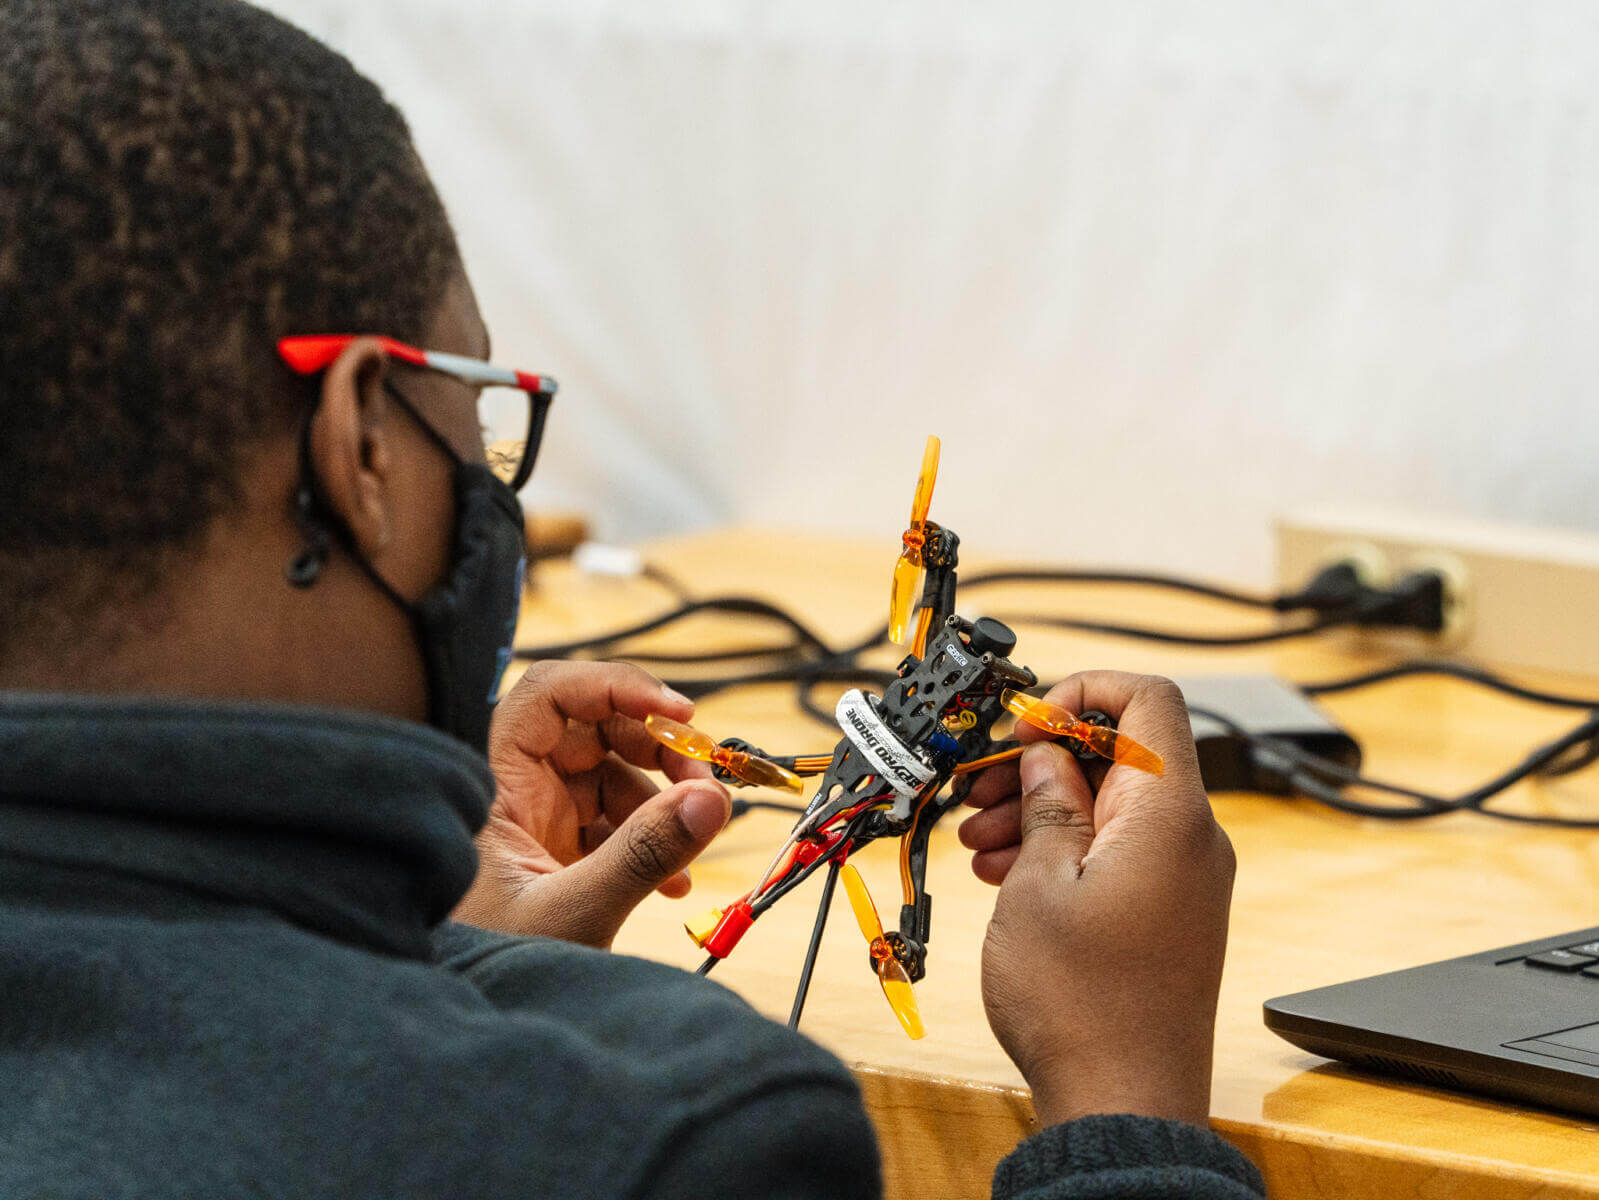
924 618
907 888
977 764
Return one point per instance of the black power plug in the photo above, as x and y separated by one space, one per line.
1416 601
1334 588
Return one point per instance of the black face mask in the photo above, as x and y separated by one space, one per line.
464 627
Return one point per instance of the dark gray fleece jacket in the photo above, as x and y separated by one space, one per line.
223 973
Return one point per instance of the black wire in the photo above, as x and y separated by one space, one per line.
700 687
808 643
807 682
822 909
710 656
753 607
667 580
805 697
705 967
769 898
1172 583
1476 799
738 605
1170 637
808 662
1470 674
1322 779
871 641
807 639
1308 774
1292 754
1585 754
1534 762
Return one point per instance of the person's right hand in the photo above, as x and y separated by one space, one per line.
1104 955
578 835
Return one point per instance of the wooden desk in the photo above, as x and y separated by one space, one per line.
1320 897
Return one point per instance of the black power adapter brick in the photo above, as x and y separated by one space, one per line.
1264 706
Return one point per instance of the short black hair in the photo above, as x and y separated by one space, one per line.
182 182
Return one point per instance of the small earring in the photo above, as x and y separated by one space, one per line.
304 568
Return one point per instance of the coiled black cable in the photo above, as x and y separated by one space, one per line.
808 661
1333 598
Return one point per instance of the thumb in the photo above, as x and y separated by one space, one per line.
658 840
1057 807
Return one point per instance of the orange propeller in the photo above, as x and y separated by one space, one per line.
1117 747
890 971
908 570
691 743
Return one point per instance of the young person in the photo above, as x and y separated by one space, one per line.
237 588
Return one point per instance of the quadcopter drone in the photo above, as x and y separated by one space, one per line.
897 751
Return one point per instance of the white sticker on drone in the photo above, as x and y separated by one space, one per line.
901 769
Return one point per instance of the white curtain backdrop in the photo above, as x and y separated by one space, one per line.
1185 265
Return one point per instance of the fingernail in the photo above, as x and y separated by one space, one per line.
703 812
675 696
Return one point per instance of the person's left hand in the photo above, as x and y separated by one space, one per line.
578 835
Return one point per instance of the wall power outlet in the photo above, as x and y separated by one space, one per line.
1517 595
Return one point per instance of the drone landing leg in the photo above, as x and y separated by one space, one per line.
816 942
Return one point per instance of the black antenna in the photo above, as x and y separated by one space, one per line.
816 942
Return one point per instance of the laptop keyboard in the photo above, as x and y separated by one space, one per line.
1581 959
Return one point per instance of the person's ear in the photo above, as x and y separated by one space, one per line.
352 444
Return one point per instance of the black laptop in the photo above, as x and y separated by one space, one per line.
1521 1022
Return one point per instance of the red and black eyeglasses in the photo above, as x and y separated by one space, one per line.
503 413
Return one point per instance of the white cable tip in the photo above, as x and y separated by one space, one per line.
596 558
